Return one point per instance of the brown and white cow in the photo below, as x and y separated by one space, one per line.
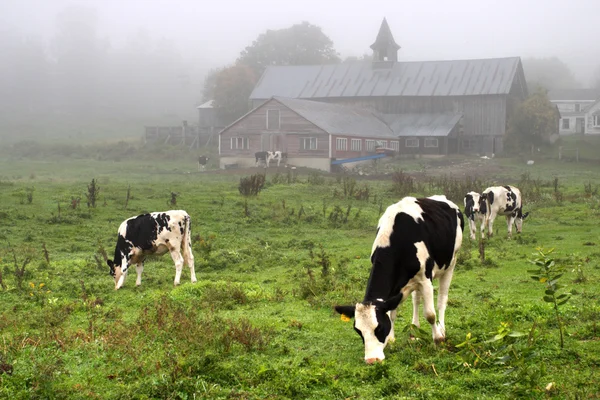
417 241
507 201
152 234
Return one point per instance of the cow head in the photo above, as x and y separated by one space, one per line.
118 266
373 324
116 271
519 220
483 208
473 204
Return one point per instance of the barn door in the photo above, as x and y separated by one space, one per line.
265 142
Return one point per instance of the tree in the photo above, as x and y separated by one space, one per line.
549 73
233 86
300 44
533 122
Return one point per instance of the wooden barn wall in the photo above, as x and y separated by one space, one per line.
483 115
287 138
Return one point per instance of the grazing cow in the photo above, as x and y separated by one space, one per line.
202 161
275 155
475 210
507 201
154 233
261 156
417 241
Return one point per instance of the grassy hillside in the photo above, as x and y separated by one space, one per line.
260 323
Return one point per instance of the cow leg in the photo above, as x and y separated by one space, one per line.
472 230
178 260
429 310
416 299
445 280
393 319
490 224
510 220
189 260
139 267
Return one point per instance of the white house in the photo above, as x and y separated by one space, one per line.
575 106
592 119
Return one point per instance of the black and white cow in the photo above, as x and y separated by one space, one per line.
417 241
275 155
202 161
475 210
507 201
156 233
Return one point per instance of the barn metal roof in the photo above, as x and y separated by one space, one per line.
422 124
364 79
338 119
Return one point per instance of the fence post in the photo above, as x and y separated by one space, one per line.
577 154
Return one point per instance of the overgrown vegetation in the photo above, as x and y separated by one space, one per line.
259 322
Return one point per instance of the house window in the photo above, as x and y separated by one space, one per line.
431 142
597 121
577 107
370 145
309 143
341 144
382 143
273 120
355 144
240 143
395 145
411 142
565 123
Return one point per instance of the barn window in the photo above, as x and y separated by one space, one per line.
565 123
355 144
308 143
370 145
382 143
431 142
411 142
240 143
273 120
597 120
341 144
395 145
468 144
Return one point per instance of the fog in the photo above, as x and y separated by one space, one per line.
135 62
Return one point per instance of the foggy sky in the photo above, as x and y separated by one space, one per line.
214 32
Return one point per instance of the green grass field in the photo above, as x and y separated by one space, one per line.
260 322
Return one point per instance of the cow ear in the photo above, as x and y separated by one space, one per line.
110 263
392 303
348 311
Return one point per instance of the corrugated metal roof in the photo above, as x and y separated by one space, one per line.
338 119
360 79
573 94
422 124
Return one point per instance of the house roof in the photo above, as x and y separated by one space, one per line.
208 104
422 124
573 95
361 79
338 119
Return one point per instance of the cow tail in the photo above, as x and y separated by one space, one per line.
186 239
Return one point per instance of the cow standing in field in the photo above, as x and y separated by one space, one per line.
507 201
275 155
475 210
417 241
152 234
202 161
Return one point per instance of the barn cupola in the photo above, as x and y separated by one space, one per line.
385 48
